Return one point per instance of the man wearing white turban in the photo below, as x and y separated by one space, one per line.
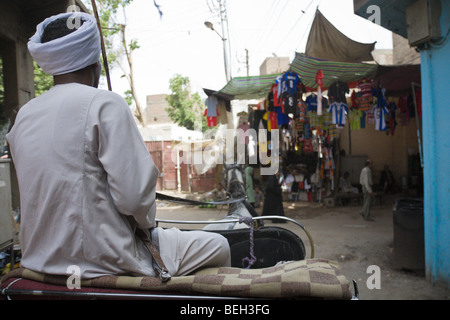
87 182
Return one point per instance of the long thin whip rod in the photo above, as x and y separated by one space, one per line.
105 58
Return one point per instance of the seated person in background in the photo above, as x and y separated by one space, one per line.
217 194
345 185
387 181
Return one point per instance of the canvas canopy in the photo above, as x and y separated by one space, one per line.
307 68
327 42
256 87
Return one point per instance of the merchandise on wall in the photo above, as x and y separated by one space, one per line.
309 121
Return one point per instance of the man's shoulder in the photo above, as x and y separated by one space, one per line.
105 97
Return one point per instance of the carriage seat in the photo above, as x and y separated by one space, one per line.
314 279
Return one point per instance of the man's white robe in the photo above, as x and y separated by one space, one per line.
86 182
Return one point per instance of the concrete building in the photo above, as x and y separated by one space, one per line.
156 110
274 65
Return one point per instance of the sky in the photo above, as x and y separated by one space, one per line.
180 43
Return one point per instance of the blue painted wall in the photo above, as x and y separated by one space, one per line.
436 148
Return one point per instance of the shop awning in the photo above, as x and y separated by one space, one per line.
333 71
397 79
255 87
327 42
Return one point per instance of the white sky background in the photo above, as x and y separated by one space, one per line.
179 43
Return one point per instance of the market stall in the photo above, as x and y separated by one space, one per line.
318 102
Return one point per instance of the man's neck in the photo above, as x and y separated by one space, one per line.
84 76
72 78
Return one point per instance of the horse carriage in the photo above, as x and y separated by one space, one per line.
268 262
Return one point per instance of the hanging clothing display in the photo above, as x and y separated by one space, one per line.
310 123
289 83
366 88
392 107
311 102
380 114
319 81
211 105
354 117
302 109
339 113
338 90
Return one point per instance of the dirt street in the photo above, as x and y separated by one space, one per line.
342 235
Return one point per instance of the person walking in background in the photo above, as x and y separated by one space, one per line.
249 185
387 181
366 181
273 202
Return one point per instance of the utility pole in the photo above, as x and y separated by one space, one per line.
223 15
226 41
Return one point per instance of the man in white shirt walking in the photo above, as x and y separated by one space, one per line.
366 181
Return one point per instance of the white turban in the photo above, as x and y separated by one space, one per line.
70 53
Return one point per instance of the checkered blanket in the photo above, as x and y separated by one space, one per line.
314 278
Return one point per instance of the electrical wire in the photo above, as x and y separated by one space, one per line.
295 25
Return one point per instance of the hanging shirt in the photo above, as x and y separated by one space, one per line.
355 103
363 120
281 117
307 130
364 103
211 121
311 102
366 89
290 104
211 104
313 119
302 109
339 113
299 126
319 81
404 115
272 120
325 121
338 90
392 107
354 117
290 82
370 115
380 114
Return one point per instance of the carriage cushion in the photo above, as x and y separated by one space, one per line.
313 278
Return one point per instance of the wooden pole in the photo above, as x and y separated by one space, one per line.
105 58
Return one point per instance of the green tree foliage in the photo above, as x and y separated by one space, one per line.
185 108
42 81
